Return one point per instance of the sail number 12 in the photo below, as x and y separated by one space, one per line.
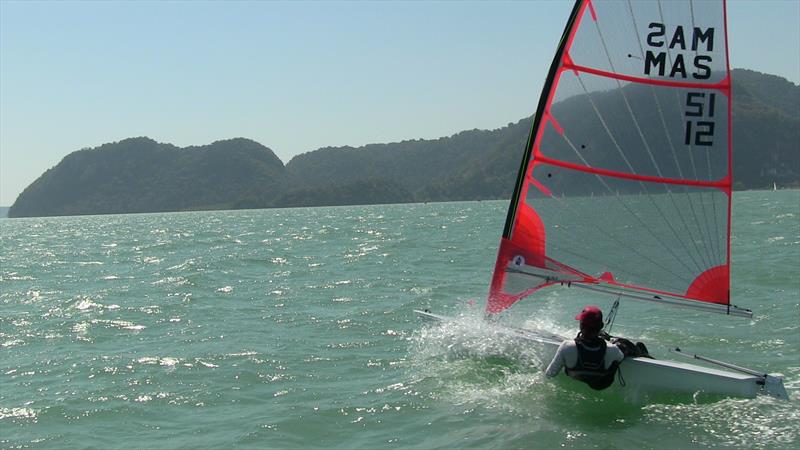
700 118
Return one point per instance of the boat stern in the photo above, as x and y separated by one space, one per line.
773 386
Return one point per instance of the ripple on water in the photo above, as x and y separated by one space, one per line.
17 413
320 348
165 361
761 422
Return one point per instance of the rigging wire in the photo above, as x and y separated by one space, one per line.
708 244
644 142
612 314
671 145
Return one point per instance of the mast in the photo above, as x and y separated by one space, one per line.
526 156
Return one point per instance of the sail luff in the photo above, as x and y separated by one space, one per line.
497 300
577 9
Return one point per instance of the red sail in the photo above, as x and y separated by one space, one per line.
625 185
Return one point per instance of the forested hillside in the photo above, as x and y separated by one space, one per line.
141 175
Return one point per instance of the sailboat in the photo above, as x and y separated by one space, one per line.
626 181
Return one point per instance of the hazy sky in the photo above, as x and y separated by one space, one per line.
294 76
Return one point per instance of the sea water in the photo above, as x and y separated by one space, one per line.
293 328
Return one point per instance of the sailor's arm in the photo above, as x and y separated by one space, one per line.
557 363
613 353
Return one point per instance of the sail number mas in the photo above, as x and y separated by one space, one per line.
662 58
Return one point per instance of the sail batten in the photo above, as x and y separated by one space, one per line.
720 184
626 176
721 86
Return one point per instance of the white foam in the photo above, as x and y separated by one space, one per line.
20 413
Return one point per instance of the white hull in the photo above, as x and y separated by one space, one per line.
646 375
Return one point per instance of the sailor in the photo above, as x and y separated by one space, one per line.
588 357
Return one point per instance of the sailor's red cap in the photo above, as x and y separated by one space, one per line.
590 314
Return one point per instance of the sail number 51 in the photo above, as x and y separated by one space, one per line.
700 122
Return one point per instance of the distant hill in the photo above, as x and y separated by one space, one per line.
141 175
3 212
766 130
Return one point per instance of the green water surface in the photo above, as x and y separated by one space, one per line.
293 328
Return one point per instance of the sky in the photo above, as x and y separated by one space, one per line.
294 76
